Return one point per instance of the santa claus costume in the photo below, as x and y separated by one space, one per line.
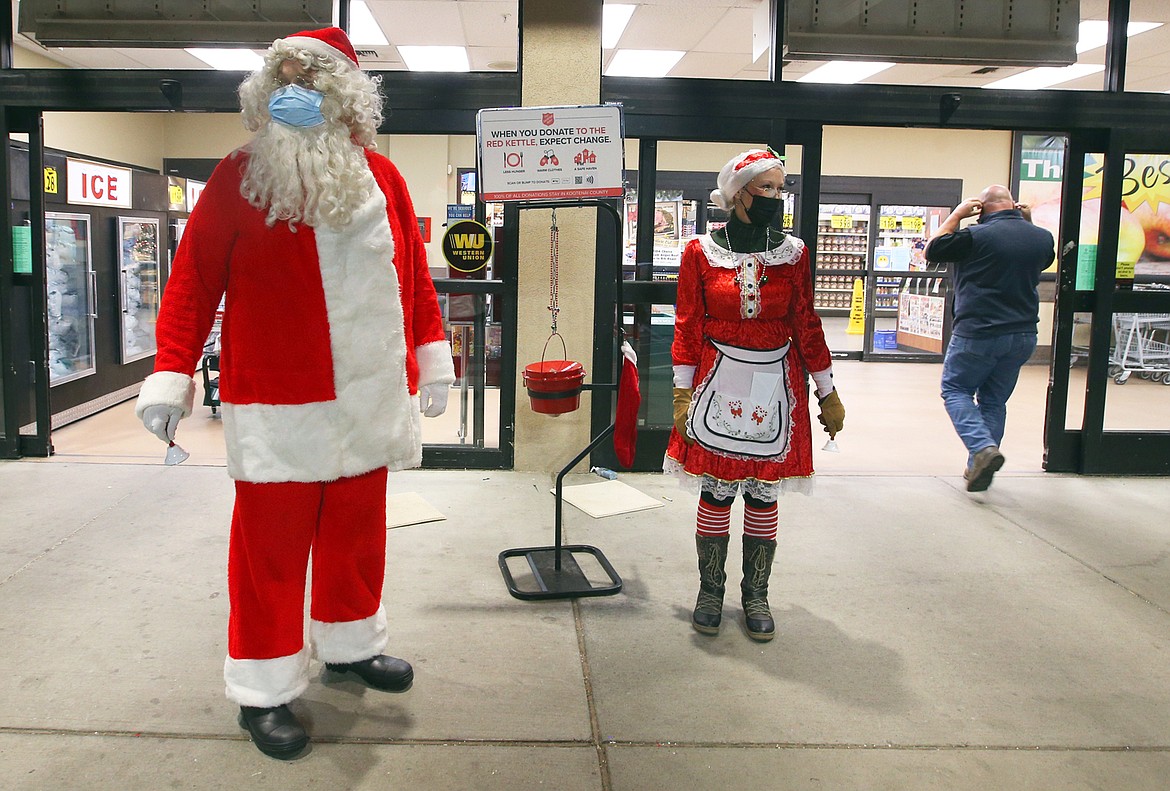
745 333
331 329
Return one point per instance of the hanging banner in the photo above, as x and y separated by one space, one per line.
550 153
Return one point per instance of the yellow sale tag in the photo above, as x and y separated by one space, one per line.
787 221
913 224
888 222
841 221
51 181
177 194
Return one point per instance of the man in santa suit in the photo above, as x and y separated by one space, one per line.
332 345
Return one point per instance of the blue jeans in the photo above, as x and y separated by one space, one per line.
979 375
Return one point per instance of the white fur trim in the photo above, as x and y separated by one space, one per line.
321 49
166 388
265 683
684 376
435 364
824 381
349 641
372 422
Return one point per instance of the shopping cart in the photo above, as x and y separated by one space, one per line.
1141 345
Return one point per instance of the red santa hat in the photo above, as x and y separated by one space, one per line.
739 170
328 42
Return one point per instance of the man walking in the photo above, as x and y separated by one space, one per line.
996 265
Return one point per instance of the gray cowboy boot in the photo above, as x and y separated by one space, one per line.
757 567
712 583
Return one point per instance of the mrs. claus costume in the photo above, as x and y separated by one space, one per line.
745 333
328 335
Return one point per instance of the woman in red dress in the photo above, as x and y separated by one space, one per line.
745 334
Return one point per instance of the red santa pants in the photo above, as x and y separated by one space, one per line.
275 526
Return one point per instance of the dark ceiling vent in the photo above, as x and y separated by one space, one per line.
986 70
366 53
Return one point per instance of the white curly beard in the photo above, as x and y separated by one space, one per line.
315 175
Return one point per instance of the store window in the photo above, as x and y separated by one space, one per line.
1139 372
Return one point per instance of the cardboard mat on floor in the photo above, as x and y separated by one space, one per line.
409 508
607 498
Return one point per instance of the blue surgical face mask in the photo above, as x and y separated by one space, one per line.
293 105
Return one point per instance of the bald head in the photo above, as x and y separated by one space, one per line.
996 198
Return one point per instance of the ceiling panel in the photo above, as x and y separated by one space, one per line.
716 65
663 27
730 33
419 22
491 24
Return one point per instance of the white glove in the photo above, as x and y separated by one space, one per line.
432 398
162 420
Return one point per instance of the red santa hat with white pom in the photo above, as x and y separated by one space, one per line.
328 42
739 170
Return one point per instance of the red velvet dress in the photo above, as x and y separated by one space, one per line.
746 302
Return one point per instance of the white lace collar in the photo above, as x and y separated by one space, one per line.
787 253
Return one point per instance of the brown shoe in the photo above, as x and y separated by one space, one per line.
983 468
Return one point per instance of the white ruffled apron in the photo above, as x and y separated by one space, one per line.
743 407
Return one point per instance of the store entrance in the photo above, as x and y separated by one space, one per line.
878 297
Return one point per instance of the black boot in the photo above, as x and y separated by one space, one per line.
387 673
275 731
712 583
757 567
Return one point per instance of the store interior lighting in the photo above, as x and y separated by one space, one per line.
435 58
228 59
844 72
1046 76
364 31
614 18
643 62
1095 33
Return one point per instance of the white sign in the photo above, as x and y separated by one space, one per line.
194 190
92 184
550 153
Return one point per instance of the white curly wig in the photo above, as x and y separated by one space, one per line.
314 175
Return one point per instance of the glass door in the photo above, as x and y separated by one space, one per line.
911 296
138 263
839 290
71 291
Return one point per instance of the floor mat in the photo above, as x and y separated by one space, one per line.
608 498
409 508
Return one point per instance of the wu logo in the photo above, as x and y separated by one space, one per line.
467 241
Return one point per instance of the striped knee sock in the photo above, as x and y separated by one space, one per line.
713 520
760 522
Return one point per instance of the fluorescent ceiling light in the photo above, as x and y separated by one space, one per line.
1095 33
614 18
435 58
1045 77
643 62
228 59
844 72
363 30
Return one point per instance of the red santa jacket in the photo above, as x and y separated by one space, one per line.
327 333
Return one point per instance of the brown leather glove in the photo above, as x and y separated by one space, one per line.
682 403
832 415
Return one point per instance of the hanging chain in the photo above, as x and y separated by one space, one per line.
554 255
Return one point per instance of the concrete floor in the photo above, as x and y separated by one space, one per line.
927 639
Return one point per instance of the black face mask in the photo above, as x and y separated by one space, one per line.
763 211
